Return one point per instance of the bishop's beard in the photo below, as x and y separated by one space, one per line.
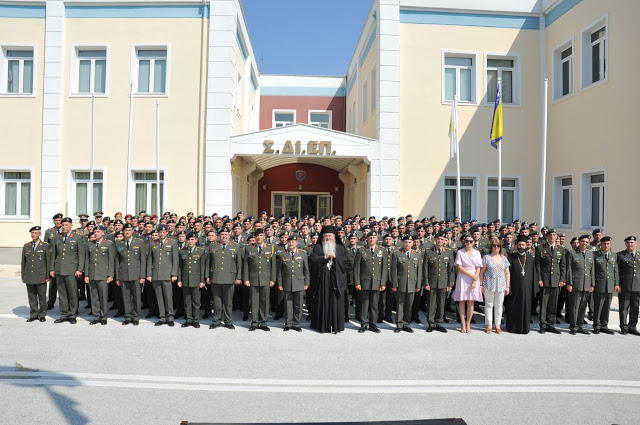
329 246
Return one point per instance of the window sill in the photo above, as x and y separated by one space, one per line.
504 105
18 95
88 95
565 97
596 84
10 219
150 95
460 103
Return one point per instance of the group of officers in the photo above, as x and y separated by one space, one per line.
176 266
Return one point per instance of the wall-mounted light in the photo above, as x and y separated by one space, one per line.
337 189
299 187
264 187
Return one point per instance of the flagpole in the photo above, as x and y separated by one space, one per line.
543 172
158 157
126 202
458 197
93 125
499 172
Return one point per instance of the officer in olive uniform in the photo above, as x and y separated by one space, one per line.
259 273
438 278
629 287
68 263
580 284
225 271
387 301
100 270
131 270
34 272
293 279
406 280
50 238
192 275
606 279
162 270
551 266
352 295
370 275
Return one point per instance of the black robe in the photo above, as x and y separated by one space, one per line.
328 288
523 290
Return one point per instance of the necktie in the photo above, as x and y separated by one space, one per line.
259 250
127 244
353 250
224 246
371 250
33 245
291 255
408 255
439 251
189 251
606 256
161 244
64 238
389 250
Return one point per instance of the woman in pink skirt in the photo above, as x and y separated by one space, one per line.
468 289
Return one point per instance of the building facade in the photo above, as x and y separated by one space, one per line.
174 87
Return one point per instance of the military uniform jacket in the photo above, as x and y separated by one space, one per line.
580 268
302 243
101 260
629 270
131 263
259 269
390 250
551 264
162 260
192 269
225 265
439 269
241 240
36 263
352 251
605 272
370 270
50 238
293 270
70 256
406 271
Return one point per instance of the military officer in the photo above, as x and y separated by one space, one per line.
438 277
629 286
34 272
551 267
406 280
192 275
387 298
68 263
50 238
259 274
606 279
162 270
131 270
580 284
293 279
370 276
100 269
352 295
225 271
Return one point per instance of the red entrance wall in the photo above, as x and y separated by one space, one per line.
283 179
302 105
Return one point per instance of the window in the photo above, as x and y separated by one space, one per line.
320 119
563 70
18 70
467 195
459 76
283 118
510 200
91 69
146 191
374 83
365 101
239 94
81 182
563 201
152 71
507 69
16 191
594 53
593 199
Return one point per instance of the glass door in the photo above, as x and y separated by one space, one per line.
324 205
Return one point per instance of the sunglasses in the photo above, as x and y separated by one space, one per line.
496 246
468 241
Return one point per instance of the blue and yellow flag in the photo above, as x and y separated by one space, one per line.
496 123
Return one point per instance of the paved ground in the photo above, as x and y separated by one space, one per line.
79 374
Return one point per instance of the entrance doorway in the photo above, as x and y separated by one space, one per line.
301 204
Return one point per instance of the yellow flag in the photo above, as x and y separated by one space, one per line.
496 123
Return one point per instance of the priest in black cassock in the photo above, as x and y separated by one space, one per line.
329 264
524 287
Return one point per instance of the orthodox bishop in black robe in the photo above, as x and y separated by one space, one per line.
524 287
329 264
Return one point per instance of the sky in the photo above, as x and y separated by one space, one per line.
307 37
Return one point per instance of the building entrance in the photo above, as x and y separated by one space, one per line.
301 204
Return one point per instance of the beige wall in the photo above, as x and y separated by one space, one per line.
424 119
22 125
239 116
368 128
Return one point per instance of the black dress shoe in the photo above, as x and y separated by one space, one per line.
103 322
573 332
429 329
286 328
73 321
126 322
212 326
583 331
445 320
42 319
596 331
607 331
542 330
265 328
363 329
59 320
94 322
397 330
553 329
31 319
196 325
170 323
118 314
136 323
253 328
441 329
407 329
229 326
185 325
297 328
624 332
634 332
159 324
388 319
49 306
374 329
